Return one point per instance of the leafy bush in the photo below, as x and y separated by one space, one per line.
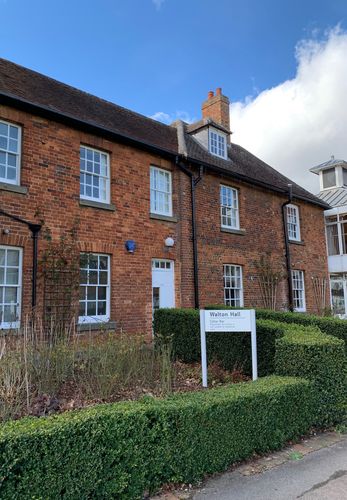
320 358
122 450
231 350
329 325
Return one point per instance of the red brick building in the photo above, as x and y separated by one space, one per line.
161 215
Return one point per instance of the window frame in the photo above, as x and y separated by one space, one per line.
241 298
302 290
237 208
291 206
211 146
104 318
155 190
326 170
341 220
15 182
107 177
16 324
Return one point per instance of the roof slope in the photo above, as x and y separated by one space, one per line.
335 197
243 163
25 85
35 88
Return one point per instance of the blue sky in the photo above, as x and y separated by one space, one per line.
161 57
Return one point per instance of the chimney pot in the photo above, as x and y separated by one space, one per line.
218 91
210 94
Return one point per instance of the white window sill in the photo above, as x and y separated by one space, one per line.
168 218
97 204
10 326
96 326
13 188
231 230
296 242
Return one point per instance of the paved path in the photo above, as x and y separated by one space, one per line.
320 475
314 469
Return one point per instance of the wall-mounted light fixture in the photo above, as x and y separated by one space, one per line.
130 246
6 231
169 242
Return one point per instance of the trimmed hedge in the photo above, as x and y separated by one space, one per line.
122 450
329 325
320 358
183 327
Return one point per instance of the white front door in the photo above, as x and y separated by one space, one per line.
163 287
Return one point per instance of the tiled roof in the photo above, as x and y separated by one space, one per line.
242 163
38 89
23 86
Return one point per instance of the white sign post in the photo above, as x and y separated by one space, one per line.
227 320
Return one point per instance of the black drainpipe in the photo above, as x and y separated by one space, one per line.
286 241
35 229
193 183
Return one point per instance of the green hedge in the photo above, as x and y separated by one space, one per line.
125 449
320 358
329 325
231 350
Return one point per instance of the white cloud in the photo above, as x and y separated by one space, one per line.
166 118
158 3
301 122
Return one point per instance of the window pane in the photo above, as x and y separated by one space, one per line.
160 191
10 294
232 285
344 172
101 308
298 290
10 314
94 174
91 293
12 276
338 297
344 237
3 129
10 273
12 258
9 154
95 296
229 207
333 240
91 308
329 179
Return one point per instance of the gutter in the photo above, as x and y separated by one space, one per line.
35 229
287 248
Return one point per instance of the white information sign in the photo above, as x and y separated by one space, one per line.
228 320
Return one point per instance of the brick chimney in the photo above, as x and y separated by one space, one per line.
216 107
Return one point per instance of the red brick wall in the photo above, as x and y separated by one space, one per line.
50 171
261 218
